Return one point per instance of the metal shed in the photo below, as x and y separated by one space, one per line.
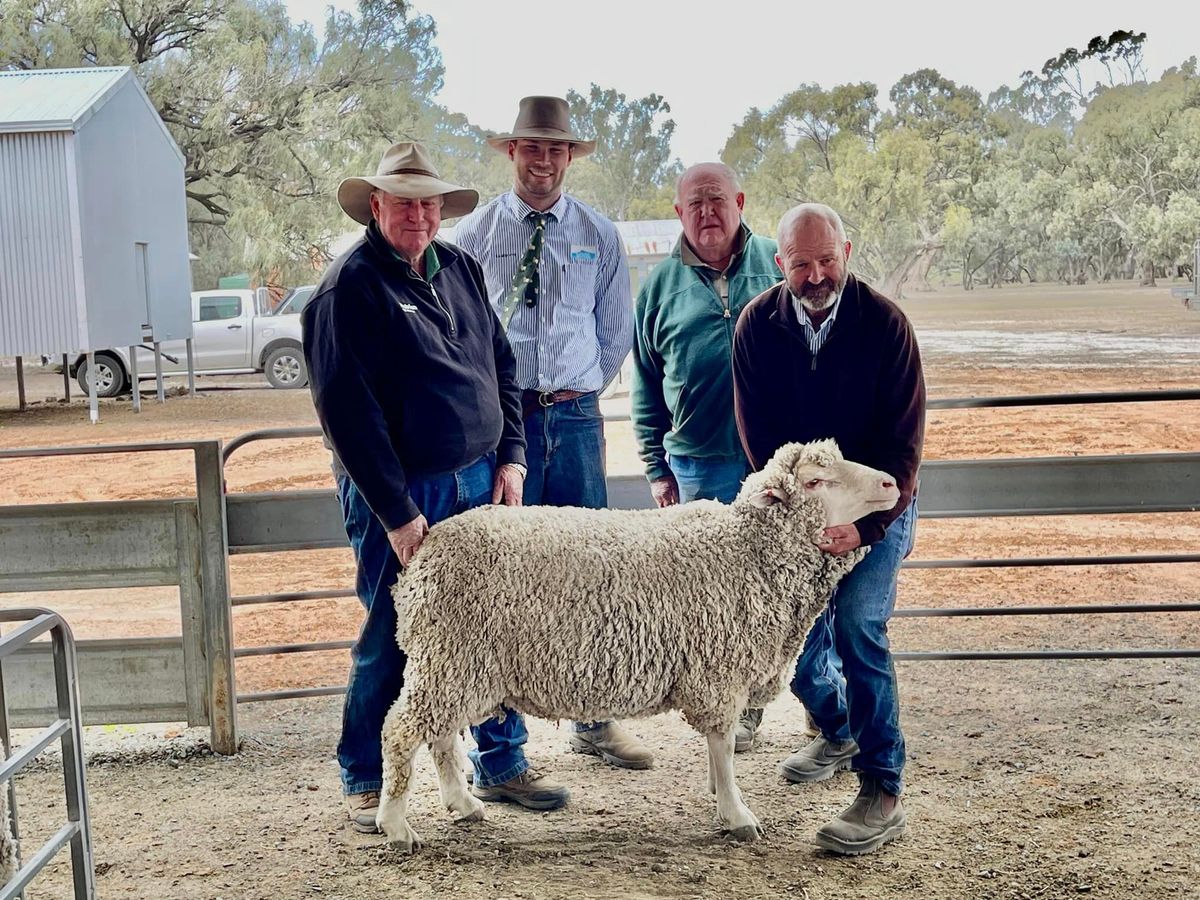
93 218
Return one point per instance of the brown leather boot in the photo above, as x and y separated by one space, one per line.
614 745
529 789
362 808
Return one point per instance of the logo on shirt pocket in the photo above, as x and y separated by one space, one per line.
409 307
583 253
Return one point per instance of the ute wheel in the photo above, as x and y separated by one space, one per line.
111 380
285 368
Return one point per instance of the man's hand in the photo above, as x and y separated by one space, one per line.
665 491
840 539
406 539
509 485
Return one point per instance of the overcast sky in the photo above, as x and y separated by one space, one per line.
713 62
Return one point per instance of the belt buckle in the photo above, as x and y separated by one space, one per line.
545 399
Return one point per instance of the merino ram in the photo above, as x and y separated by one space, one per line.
608 614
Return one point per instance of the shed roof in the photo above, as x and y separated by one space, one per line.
55 99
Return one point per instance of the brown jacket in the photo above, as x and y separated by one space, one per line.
864 388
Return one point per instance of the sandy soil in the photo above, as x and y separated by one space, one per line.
1025 779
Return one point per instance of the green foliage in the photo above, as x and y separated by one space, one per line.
632 160
1014 188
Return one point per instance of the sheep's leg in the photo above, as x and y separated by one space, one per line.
735 816
712 774
450 761
401 738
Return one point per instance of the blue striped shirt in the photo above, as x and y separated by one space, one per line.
581 328
816 337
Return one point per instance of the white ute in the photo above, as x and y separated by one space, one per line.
229 337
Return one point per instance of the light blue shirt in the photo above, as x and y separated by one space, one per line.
581 328
816 337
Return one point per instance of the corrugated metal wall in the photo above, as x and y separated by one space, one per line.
38 310
131 191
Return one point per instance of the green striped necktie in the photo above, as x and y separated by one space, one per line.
526 283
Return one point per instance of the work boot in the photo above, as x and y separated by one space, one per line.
819 760
362 808
529 789
864 826
614 745
747 730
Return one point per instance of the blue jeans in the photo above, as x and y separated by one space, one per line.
708 477
858 699
564 451
377 662
565 455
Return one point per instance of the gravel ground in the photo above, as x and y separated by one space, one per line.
1028 779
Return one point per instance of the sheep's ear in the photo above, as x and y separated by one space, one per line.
767 497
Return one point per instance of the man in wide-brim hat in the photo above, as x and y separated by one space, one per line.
557 277
413 382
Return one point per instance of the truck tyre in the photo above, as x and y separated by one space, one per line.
285 368
111 380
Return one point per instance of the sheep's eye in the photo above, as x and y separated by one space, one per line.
811 485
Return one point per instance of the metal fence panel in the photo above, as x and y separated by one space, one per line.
128 543
121 680
1087 485
284 520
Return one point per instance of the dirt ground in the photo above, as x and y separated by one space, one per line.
1025 779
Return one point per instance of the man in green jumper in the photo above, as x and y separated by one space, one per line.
682 404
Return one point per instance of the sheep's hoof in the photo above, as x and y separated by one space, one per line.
472 815
399 833
405 843
746 832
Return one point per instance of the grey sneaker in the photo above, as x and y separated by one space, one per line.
747 730
863 827
819 760
362 808
529 789
614 745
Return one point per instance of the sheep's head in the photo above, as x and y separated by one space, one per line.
799 473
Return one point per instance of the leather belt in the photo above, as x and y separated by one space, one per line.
532 401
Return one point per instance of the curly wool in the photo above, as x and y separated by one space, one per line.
604 614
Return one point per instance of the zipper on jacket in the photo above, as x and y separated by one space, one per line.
444 308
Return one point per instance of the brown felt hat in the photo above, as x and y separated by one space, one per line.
543 119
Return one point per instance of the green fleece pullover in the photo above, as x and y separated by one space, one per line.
682 401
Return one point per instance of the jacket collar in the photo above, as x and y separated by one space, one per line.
446 254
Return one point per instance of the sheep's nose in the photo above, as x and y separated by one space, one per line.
887 483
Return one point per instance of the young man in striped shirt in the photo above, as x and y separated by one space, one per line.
557 277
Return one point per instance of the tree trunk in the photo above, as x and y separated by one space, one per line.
920 275
1147 273
893 283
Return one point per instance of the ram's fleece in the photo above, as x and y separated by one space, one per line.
606 614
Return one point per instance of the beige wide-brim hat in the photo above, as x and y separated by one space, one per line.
405 171
543 119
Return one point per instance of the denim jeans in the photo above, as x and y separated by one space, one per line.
377 662
708 477
565 455
858 699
